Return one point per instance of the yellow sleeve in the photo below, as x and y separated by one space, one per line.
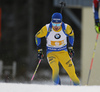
42 32
69 31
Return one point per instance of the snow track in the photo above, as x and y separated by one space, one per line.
18 87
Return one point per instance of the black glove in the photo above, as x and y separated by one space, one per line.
40 54
71 52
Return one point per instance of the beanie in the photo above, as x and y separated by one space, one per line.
57 17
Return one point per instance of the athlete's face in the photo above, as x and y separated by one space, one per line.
56 26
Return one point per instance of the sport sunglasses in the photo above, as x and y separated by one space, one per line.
58 24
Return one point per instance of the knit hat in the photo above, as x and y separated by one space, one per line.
57 17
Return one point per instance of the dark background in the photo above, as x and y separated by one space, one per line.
20 21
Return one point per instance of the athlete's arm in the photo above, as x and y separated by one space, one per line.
95 10
96 15
70 34
39 35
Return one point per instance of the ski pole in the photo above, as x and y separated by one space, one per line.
36 70
92 58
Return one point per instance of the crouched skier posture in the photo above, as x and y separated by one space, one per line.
96 15
56 33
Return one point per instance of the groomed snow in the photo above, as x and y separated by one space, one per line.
18 87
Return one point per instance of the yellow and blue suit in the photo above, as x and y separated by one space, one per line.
57 50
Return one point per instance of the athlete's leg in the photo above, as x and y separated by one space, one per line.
69 67
53 62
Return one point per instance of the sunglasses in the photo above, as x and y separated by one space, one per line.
58 24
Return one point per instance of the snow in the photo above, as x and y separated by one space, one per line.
20 87
44 85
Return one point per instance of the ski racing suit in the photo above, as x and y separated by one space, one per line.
57 50
96 15
96 9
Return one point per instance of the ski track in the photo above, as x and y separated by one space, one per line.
19 87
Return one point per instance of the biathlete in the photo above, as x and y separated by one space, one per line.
96 15
56 33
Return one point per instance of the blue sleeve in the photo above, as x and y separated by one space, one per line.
71 41
96 15
96 10
38 42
